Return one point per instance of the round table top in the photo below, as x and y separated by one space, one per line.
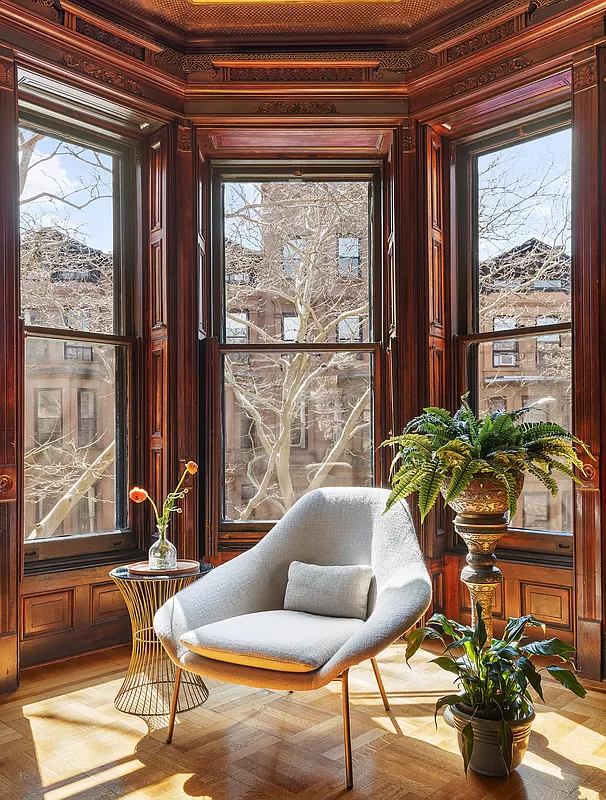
124 575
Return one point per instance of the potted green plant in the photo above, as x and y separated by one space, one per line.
493 711
478 463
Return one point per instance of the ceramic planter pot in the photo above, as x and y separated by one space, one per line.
486 758
482 496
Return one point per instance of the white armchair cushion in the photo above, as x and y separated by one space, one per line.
335 591
286 641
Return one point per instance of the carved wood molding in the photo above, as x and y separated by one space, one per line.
481 40
584 75
501 70
92 31
102 74
297 74
409 138
296 107
6 74
184 138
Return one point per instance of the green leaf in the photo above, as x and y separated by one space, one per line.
429 489
567 679
448 664
414 641
467 736
529 671
449 700
516 626
462 475
505 737
549 647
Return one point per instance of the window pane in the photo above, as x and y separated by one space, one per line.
66 219
280 262
293 422
548 382
70 439
524 232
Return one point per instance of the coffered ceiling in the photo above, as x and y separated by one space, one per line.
323 22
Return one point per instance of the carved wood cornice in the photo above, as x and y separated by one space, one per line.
100 73
296 107
501 70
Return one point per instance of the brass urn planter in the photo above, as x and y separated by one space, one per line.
481 522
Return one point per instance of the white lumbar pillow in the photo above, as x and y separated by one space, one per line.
328 591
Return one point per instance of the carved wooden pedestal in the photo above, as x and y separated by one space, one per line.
481 532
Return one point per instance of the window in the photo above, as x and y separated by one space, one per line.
536 509
48 424
307 377
87 417
504 351
292 256
517 270
77 345
350 329
236 328
77 352
350 257
290 327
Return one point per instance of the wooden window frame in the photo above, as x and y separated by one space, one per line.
552 547
107 546
235 534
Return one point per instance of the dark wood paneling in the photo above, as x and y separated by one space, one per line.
10 377
70 612
588 337
107 603
49 612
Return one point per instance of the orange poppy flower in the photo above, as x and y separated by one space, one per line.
191 467
138 495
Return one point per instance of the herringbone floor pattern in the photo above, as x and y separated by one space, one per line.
61 737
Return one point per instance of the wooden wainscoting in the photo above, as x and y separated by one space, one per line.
71 612
545 592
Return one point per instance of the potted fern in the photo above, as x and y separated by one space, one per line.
493 710
478 464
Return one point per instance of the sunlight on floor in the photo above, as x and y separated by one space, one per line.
62 739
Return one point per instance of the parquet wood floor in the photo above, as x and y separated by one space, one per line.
61 737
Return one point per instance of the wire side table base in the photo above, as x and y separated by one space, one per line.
148 686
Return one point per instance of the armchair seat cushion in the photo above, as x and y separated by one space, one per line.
287 641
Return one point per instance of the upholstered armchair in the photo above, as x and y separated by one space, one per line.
277 649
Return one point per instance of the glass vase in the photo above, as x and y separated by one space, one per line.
162 553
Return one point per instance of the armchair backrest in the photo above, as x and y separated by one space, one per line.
337 526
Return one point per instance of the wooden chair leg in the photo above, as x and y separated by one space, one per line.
173 706
347 729
375 668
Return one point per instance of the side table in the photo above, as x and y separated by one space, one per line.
148 686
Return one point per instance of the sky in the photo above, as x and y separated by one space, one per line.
534 178
64 175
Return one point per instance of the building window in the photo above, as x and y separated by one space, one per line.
504 351
237 330
290 327
76 381
87 417
517 266
309 375
293 252
48 423
350 329
350 256
77 352
535 510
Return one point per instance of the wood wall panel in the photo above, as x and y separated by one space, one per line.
589 336
48 612
11 456
69 612
107 603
